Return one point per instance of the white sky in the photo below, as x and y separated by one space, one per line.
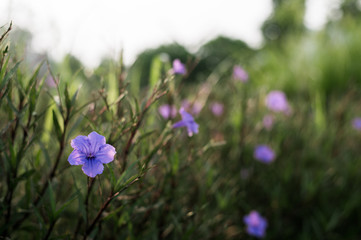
90 29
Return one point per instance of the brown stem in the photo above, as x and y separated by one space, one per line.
51 227
86 202
134 131
14 172
105 205
51 174
6 32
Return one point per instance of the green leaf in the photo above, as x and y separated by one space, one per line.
58 130
75 126
4 68
67 203
52 202
80 198
25 175
33 78
67 98
4 80
155 72
112 176
175 162
128 172
74 97
145 135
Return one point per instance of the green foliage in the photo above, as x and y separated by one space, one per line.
164 184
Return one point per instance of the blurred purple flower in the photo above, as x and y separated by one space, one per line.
356 123
92 152
179 67
240 74
264 153
187 121
268 121
194 108
217 108
277 101
50 82
167 111
256 224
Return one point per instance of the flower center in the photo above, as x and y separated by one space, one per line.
90 156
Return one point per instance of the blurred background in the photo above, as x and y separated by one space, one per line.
90 30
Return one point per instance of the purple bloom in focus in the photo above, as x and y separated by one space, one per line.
268 121
92 152
264 153
256 224
240 74
167 111
217 108
356 123
277 102
179 67
187 121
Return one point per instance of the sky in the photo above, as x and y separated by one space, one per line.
92 29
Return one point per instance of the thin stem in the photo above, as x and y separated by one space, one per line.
243 122
86 201
90 183
150 101
51 227
105 205
132 135
11 187
51 174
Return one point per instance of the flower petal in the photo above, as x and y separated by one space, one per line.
193 127
77 157
105 154
96 141
92 167
179 124
185 116
81 143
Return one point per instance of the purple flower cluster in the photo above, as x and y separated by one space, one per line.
167 111
277 101
179 67
356 123
240 74
92 152
264 153
194 108
217 108
256 224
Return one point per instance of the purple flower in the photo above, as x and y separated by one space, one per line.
264 153
50 82
356 123
268 121
92 152
277 101
256 224
240 74
187 121
194 108
217 108
167 111
178 67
